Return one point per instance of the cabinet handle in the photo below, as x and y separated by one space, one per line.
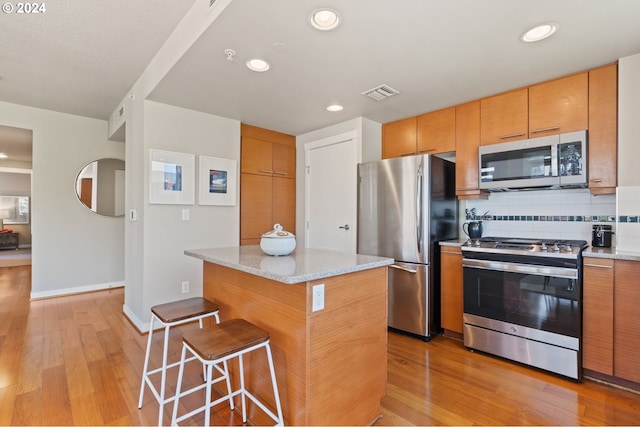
427 149
408 153
513 135
598 266
596 180
280 173
545 129
264 171
452 253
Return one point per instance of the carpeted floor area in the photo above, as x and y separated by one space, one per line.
15 257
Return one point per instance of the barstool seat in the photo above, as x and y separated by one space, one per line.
218 344
169 315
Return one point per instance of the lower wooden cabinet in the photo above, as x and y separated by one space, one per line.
610 333
451 302
597 319
626 349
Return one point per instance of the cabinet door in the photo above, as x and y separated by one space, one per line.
597 315
467 143
256 156
437 131
284 203
399 138
504 117
256 197
559 106
451 302
603 129
284 160
626 348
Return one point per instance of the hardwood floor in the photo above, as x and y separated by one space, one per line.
76 360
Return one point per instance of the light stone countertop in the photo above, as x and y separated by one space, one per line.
611 253
453 243
301 266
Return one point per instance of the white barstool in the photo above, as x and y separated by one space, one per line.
169 315
217 345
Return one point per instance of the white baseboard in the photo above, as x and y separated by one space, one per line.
140 325
76 290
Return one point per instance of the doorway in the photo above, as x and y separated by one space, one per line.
331 193
16 145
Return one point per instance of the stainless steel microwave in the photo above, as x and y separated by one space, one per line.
555 161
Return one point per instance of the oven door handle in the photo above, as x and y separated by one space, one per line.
510 267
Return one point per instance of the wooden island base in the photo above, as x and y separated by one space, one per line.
331 364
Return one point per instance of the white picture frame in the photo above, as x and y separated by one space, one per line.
171 178
217 181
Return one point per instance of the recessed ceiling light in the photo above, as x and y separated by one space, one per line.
539 33
258 65
335 107
324 19
3 156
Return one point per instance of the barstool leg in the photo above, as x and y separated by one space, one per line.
226 373
163 381
275 385
146 363
174 415
243 399
207 409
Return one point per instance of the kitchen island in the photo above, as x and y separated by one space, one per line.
330 357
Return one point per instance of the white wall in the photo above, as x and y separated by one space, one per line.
165 236
369 134
629 121
73 249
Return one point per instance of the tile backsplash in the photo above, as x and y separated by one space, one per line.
552 214
628 226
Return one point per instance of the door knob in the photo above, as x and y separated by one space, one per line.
346 226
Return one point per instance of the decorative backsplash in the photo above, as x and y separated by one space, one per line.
570 218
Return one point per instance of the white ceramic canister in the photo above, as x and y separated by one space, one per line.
277 242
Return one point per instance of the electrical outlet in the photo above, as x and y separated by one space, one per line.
317 298
185 287
186 216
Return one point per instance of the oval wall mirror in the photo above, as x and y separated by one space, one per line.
100 187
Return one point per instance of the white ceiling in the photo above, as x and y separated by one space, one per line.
82 57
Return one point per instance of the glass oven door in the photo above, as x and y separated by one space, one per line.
539 297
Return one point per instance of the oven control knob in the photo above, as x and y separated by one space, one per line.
477 243
569 248
544 247
556 248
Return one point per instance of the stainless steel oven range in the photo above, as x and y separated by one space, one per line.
523 301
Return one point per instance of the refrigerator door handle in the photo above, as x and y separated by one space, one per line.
419 215
400 267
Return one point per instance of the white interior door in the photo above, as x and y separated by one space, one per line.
331 193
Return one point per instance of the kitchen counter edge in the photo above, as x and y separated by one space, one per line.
308 264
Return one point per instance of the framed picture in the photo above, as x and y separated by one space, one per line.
172 178
217 181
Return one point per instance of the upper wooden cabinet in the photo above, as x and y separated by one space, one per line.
603 129
504 117
267 158
267 183
399 138
437 131
559 106
467 142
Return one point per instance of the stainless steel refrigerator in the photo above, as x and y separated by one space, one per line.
405 206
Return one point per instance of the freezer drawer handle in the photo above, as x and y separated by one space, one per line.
399 267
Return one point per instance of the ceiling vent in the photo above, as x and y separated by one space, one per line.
380 93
